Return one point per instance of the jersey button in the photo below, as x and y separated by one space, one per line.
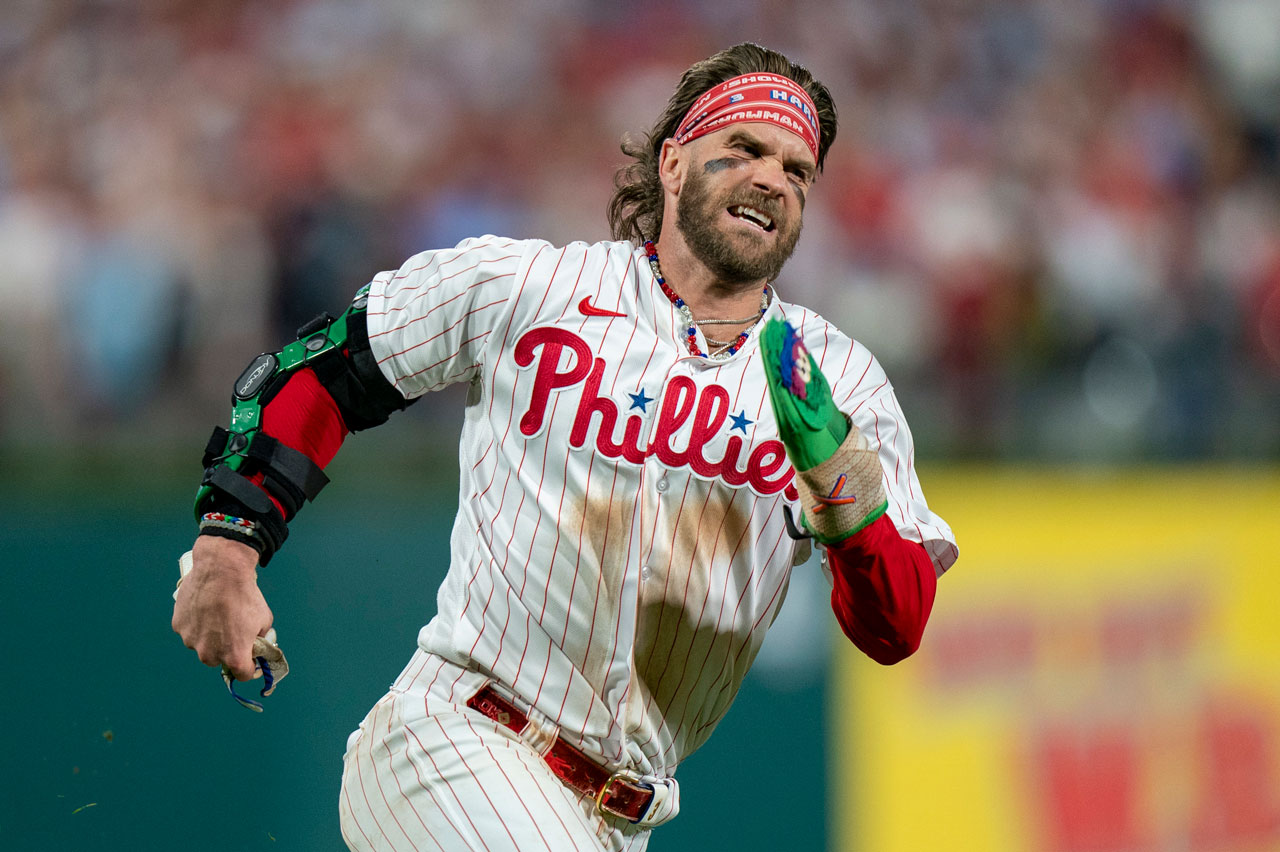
662 485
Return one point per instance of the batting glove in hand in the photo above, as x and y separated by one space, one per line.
838 476
267 655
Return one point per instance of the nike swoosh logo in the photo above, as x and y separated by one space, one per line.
589 310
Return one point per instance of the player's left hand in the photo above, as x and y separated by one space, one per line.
839 477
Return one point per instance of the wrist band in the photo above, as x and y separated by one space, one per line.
222 517
220 520
264 534
230 526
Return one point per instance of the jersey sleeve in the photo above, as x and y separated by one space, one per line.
428 321
863 391
882 590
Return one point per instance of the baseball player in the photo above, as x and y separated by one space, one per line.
652 437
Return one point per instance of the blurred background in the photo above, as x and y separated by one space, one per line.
1056 222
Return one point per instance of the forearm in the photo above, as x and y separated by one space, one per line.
305 417
883 585
290 414
290 418
883 591
302 417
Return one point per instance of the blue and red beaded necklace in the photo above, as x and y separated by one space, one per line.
691 330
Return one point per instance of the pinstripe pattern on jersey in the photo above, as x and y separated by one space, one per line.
623 597
424 772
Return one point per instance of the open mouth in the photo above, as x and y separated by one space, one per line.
752 216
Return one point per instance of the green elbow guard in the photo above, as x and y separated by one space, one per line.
237 456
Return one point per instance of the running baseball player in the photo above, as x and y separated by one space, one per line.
652 437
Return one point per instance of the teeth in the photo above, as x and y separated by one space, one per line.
753 214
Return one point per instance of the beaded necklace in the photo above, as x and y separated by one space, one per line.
686 314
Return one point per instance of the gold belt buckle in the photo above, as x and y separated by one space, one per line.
630 776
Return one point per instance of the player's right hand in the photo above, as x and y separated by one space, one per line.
218 609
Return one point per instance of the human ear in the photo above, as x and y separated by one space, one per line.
672 164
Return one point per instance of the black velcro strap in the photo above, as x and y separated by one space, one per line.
236 494
287 466
354 380
217 446
223 443
257 543
318 323
240 489
271 531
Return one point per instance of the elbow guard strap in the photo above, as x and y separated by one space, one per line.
239 457
288 475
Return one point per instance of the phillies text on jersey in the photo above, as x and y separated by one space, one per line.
619 548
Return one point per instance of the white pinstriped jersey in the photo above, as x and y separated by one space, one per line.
619 548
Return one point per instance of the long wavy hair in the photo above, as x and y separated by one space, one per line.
635 211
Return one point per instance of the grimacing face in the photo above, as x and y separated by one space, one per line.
718 210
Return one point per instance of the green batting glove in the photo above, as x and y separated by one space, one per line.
838 476
810 425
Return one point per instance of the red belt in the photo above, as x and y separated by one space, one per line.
618 793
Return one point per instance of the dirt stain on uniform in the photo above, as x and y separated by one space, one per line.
606 520
684 620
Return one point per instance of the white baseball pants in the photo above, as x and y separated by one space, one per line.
426 772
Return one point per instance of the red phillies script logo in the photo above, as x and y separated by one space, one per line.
766 469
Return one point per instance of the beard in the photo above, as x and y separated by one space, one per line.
697 214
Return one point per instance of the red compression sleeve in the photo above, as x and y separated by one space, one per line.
304 416
884 589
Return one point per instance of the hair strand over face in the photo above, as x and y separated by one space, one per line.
635 211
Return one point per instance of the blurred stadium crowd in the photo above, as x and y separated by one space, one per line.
1057 222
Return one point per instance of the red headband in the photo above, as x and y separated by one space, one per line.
753 97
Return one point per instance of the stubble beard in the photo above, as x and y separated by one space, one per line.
697 214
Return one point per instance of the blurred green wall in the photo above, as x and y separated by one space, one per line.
120 740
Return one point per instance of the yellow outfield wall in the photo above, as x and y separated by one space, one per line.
1101 673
